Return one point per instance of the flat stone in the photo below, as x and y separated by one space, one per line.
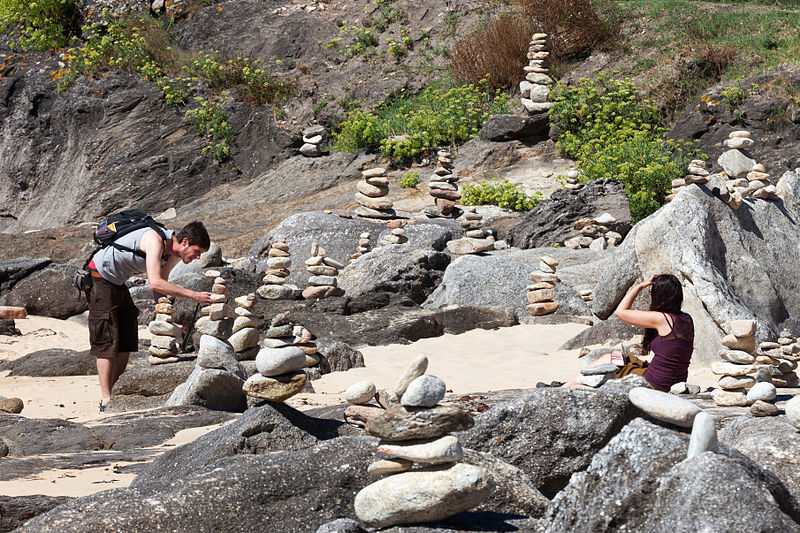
738 142
722 368
725 398
218 299
593 381
269 279
321 292
442 450
165 308
400 424
359 415
373 191
762 391
310 150
159 327
736 382
155 360
607 368
243 339
278 292
366 212
664 406
162 352
415 369
742 328
275 361
314 130
360 392
322 270
466 246
313 139
535 107
541 295
242 322
331 262
704 435
279 262
542 308
547 269
389 466
277 388
318 281
762 408
424 391
738 357
164 342
447 195
539 277
373 172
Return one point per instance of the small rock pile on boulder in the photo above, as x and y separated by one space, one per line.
573 180
217 319
371 195
587 295
244 337
288 349
397 233
594 376
696 173
363 246
477 239
542 293
312 138
443 187
415 429
746 178
279 262
596 233
784 355
535 88
323 272
165 344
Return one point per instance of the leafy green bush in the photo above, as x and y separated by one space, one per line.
39 24
501 193
409 180
403 127
211 122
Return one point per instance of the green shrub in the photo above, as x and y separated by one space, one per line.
403 127
39 24
211 122
409 180
175 91
501 193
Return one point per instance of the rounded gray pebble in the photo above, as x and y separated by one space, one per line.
425 391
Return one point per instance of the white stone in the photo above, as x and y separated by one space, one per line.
243 339
704 435
664 406
445 449
738 142
389 466
729 369
277 361
415 369
792 409
739 134
763 391
742 328
159 327
736 382
424 391
605 219
360 392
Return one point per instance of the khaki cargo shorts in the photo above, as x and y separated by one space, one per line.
113 326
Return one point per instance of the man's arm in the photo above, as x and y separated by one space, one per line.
153 247
166 268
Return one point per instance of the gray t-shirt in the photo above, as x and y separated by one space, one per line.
117 266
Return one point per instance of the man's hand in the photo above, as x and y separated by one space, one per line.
203 298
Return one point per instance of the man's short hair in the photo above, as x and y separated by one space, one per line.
196 233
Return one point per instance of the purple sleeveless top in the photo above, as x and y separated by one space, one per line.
671 353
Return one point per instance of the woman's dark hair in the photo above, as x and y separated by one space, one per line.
666 296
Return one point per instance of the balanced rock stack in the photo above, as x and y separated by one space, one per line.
573 180
543 290
784 355
217 317
596 233
587 295
288 349
443 187
696 173
312 138
244 338
417 430
477 239
746 178
279 262
363 246
397 233
322 281
535 88
370 197
166 336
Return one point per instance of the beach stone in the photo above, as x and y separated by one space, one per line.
600 369
159 327
664 406
467 245
400 424
321 292
766 346
762 408
279 262
730 369
738 357
422 496
736 382
792 409
359 415
373 203
763 375
704 435
424 391
415 369
540 277
725 398
387 399
165 343
322 281
360 392
390 466
373 191
310 150
278 292
11 405
445 449
156 360
742 328
746 344
218 354
162 352
242 322
762 391
542 308
322 270
275 361
218 298
271 279
276 388
211 388
593 381
244 339
277 332
735 163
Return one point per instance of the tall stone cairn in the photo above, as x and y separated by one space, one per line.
745 177
288 350
312 138
323 272
596 233
371 196
784 354
738 368
573 180
542 293
166 336
443 186
217 318
477 239
413 428
535 88
397 233
244 337
279 262
363 246
696 173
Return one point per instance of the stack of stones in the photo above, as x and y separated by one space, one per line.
312 138
587 295
219 311
535 88
696 173
370 197
288 349
543 291
322 281
166 339
784 355
746 178
363 246
279 262
396 235
414 429
596 233
573 180
477 239
443 187
245 329
594 376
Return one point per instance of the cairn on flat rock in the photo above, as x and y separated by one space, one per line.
784 355
423 479
596 233
165 344
323 271
363 246
478 238
217 318
288 349
535 88
587 295
573 180
745 177
443 188
371 195
397 233
244 337
738 369
312 138
542 293
279 262
696 173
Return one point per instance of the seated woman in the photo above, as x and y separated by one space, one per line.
668 333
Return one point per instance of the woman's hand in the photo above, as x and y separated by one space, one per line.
648 282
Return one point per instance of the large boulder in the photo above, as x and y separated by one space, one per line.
552 220
210 388
509 127
13 270
52 362
396 269
16 510
643 482
48 292
732 264
551 433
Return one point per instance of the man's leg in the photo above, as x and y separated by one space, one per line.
105 369
120 364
